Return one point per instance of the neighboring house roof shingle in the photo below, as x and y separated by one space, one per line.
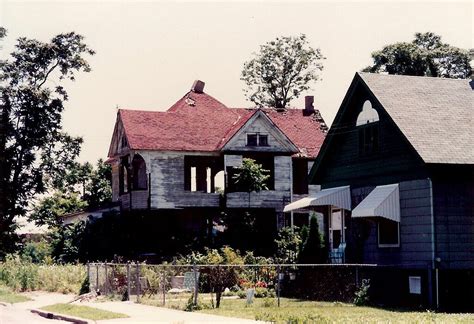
198 122
436 115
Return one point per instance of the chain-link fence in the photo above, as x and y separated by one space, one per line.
183 286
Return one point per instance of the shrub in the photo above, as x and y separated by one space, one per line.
264 292
37 252
23 275
268 302
362 294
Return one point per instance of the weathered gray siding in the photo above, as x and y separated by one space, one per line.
267 198
167 184
415 228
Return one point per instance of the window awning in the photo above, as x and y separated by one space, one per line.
383 201
339 197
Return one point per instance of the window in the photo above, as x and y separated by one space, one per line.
368 139
257 140
252 140
300 176
367 123
139 173
389 233
123 177
262 140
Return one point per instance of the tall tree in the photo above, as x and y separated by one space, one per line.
281 71
426 55
78 187
32 144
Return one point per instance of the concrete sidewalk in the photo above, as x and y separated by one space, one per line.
150 314
137 313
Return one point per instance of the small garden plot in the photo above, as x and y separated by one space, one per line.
83 312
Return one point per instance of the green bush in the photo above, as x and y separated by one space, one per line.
362 294
37 252
264 292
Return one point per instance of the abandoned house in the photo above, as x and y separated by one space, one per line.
397 178
178 165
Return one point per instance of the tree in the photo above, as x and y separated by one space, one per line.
281 71
32 144
288 244
312 251
426 55
251 177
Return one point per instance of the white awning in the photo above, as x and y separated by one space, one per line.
383 201
339 197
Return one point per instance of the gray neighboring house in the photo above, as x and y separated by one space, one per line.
397 178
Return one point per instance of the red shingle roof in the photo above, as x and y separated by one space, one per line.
198 122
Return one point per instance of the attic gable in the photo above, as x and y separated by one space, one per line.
119 143
266 134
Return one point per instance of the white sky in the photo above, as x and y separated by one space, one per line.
149 53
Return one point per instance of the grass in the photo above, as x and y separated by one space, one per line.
9 297
86 312
296 311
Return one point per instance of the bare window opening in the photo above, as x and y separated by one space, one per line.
267 162
219 181
389 233
124 142
257 140
208 180
124 176
300 176
200 172
193 179
139 173
252 140
262 140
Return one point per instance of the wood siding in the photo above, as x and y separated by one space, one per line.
343 164
415 248
453 192
167 184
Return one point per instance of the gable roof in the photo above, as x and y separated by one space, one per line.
436 115
199 122
285 143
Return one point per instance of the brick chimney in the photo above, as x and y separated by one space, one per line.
198 86
308 105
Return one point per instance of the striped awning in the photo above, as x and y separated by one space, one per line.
383 201
339 197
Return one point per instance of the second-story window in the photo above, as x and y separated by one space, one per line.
257 140
368 129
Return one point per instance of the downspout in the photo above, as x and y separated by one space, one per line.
433 245
291 191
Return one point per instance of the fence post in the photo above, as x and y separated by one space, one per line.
138 281
164 287
106 279
196 284
97 277
279 284
357 276
128 281
89 275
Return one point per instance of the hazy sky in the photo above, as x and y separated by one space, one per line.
149 53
